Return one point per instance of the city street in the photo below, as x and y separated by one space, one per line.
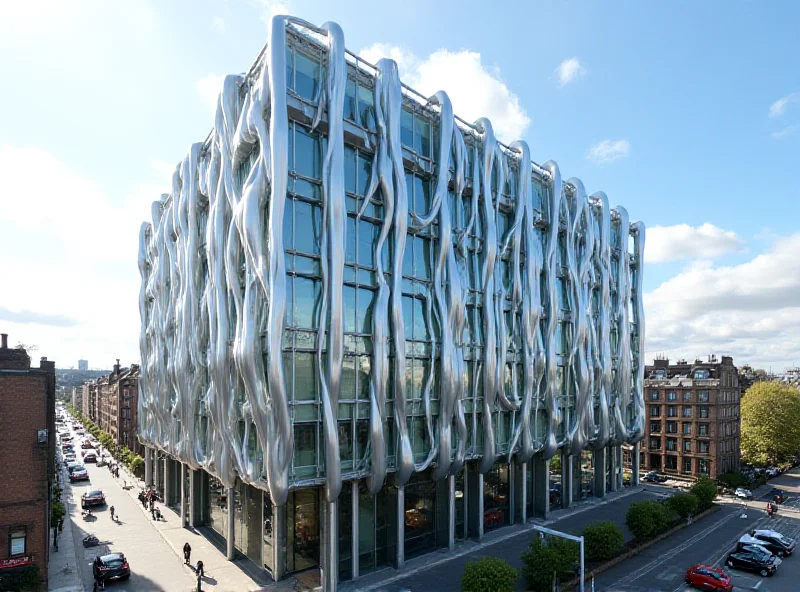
663 566
154 565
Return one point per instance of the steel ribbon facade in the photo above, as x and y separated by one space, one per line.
502 314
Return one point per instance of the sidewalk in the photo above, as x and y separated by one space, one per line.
222 575
63 571
441 570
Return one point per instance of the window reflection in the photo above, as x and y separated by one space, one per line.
495 497
303 535
217 506
420 515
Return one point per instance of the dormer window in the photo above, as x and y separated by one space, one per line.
701 374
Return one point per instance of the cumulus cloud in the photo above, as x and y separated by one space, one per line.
209 88
475 89
71 255
608 151
779 107
569 71
675 243
789 130
750 310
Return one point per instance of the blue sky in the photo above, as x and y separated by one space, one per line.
686 113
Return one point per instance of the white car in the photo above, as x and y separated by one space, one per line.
773 472
743 493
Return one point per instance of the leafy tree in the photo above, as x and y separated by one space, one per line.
732 480
545 558
705 490
683 504
602 539
647 519
488 574
770 423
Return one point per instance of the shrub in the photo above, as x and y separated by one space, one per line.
602 540
136 465
57 512
647 519
488 574
732 480
545 558
683 504
705 490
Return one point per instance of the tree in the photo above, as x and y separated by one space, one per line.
770 423
545 558
647 519
732 480
602 539
705 490
488 574
683 504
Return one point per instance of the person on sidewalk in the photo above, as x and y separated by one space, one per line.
112 513
187 552
60 525
200 571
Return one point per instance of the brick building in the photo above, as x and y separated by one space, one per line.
112 404
27 473
693 420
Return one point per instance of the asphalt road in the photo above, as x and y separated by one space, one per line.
663 566
154 566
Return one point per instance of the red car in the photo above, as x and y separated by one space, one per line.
708 578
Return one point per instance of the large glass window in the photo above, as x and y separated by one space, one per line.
302 547
495 497
687 465
346 531
420 515
217 506
305 449
268 552
17 542
375 547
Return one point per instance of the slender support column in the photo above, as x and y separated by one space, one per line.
167 481
356 533
520 493
330 546
475 499
620 469
566 480
541 487
157 476
401 527
465 503
184 496
279 541
148 466
635 465
195 498
599 462
230 551
512 494
451 512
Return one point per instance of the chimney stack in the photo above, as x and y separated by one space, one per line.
4 337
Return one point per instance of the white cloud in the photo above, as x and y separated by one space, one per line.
209 88
218 24
75 282
789 130
675 243
779 107
608 151
569 70
475 89
750 310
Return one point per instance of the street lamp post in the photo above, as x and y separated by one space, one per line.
564 535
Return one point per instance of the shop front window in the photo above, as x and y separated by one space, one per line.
460 506
375 546
217 506
346 531
587 469
420 515
302 549
495 497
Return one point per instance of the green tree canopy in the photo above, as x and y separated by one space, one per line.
770 423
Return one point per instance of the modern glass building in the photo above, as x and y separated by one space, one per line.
370 329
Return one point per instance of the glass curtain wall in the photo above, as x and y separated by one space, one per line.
586 474
420 515
346 532
461 509
375 544
217 506
303 532
267 551
495 497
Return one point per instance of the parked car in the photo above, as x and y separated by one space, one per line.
95 497
89 456
753 558
111 567
773 472
743 493
707 577
771 540
654 477
86 444
78 474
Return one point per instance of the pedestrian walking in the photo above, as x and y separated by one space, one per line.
60 525
200 571
112 512
55 538
187 552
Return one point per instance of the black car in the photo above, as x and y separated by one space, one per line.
771 540
753 558
654 477
113 566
